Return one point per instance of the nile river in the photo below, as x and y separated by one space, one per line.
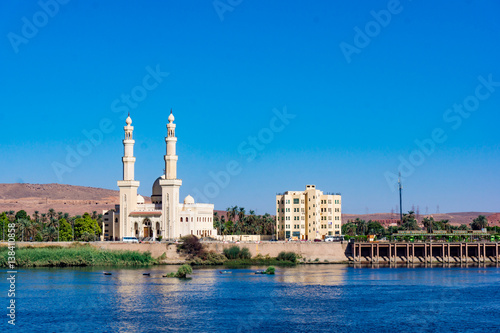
328 298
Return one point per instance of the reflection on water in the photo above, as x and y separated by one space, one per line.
304 298
330 275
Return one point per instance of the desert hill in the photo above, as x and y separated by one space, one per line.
62 198
454 218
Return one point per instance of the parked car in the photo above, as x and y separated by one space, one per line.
329 239
318 240
130 240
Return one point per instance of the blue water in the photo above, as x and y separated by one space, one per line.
328 298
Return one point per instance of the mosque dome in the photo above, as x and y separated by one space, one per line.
156 194
140 199
189 200
128 120
171 118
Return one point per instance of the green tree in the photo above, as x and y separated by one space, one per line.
409 221
375 228
21 215
4 221
85 224
428 224
349 229
65 231
360 226
479 223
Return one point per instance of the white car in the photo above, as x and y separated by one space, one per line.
130 240
329 239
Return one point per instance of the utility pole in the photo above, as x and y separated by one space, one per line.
400 199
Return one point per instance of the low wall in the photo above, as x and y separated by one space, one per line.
331 252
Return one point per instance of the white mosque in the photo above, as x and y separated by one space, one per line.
165 216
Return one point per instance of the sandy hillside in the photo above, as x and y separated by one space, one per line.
62 198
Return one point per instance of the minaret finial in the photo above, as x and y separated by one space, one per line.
171 117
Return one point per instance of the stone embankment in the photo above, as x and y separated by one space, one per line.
310 252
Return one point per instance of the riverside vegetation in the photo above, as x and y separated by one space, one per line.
75 255
232 257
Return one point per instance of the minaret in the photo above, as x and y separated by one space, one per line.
170 185
128 186
171 157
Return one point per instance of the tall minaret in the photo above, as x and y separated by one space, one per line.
171 157
128 186
170 185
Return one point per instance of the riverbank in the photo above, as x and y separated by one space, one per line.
166 253
75 255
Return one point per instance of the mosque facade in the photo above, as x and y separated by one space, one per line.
164 217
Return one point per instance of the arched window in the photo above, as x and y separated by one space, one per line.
181 219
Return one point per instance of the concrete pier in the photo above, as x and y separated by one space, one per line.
425 252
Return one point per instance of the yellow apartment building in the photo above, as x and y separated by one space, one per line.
308 214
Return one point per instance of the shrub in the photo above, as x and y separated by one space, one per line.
245 253
190 245
232 253
183 271
270 270
209 258
287 256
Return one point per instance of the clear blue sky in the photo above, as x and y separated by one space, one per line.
359 102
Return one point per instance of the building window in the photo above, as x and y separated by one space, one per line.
295 201
336 218
181 219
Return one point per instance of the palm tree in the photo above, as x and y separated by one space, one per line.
11 215
36 216
51 213
446 225
52 222
479 223
234 212
86 236
59 215
349 229
428 224
49 234
94 215
241 214
44 217
360 226
22 226
33 230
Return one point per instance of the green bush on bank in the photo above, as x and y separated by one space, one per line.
76 255
287 256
